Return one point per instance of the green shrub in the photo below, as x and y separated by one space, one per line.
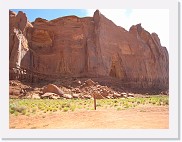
34 110
19 109
23 112
115 105
54 109
166 102
98 104
16 113
65 109
79 107
138 102
126 106
27 114
153 102
119 108
73 107
12 111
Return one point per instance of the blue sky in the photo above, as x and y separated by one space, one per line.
152 20
50 14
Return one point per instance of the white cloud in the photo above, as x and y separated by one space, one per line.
152 20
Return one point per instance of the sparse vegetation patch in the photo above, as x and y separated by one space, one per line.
44 106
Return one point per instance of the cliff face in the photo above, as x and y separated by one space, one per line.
88 47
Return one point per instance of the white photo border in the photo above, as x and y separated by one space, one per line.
171 133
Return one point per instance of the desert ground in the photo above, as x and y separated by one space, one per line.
140 117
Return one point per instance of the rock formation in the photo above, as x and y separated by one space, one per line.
87 47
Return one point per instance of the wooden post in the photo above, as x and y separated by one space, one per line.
94 102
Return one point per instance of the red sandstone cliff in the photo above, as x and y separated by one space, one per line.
88 47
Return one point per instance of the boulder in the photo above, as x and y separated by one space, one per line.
14 91
97 95
89 82
124 94
49 95
130 95
53 89
76 90
55 97
35 96
76 95
87 96
77 82
117 95
104 93
67 96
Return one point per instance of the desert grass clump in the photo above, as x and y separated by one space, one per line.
98 105
65 109
165 102
16 113
11 110
138 102
79 107
72 108
34 110
54 109
18 109
119 108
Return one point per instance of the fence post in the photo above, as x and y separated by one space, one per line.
94 102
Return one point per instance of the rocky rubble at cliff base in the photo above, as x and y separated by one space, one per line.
82 90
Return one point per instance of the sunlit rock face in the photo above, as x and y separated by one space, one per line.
88 47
